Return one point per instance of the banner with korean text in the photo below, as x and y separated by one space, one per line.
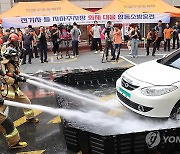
20 22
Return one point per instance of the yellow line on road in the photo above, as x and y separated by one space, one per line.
112 112
107 97
65 61
117 62
22 120
55 120
127 65
32 152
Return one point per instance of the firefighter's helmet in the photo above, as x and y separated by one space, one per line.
13 37
1 41
10 52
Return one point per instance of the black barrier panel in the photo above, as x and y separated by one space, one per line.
102 144
71 138
131 143
81 77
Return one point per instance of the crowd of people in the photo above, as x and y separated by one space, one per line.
113 39
34 43
160 33
154 38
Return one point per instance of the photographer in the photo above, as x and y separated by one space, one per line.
54 37
135 35
151 38
108 33
43 36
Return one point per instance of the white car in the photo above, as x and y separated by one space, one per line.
152 88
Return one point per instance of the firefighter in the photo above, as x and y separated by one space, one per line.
10 66
9 131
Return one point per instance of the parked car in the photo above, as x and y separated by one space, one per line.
152 88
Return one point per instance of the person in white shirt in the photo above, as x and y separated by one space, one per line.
96 31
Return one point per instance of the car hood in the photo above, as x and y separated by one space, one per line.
154 73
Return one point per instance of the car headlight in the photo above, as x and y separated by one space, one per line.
157 90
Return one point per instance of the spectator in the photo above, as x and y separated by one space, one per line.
96 33
167 37
1 32
89 30
129 38
75 32
117 39
79 37
6 35
134 44
179 37
43 36
151 38
176 29
20 34
12 30
27 43
35 38
108 33
159 30
55 37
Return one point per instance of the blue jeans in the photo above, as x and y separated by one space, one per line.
134 46
75 47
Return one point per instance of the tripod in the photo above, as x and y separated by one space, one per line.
108 45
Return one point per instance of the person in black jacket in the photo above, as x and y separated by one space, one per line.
54 37
176 29
43 36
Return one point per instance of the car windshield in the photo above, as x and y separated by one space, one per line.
174 61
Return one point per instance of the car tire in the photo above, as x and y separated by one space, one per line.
175 113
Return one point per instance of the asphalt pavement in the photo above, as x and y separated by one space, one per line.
88 59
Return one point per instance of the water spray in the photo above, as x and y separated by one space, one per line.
77 117
74 94
51 83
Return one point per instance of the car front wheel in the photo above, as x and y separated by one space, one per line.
175 114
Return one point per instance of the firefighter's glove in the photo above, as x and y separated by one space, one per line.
1 72
19 78
1 101
1 58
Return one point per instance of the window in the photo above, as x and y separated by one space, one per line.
174 61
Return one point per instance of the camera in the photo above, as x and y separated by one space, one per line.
67 27
107 29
